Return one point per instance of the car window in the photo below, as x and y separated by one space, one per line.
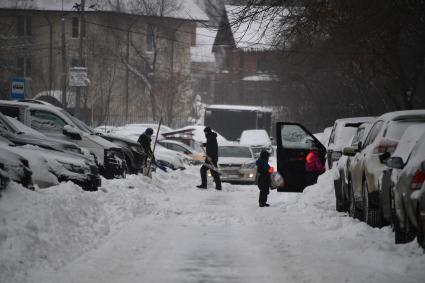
177 147
332 136
293 136
44 120
396 129
376 128
358 136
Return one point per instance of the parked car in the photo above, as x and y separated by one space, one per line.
342 178
407 177
420 215
57 123
294 142
341 133
190 155
324 139
168 158
13 167
237 163
50 167
368 165
258 140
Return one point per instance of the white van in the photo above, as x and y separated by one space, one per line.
56 122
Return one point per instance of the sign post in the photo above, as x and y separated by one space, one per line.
78 77
17 90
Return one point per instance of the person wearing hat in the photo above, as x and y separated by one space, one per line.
145 140
211 159
263 174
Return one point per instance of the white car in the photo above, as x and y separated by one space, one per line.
236 163
189 154
258 140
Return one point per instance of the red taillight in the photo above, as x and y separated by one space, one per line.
417 180
385 146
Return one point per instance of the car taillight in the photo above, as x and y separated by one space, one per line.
385 146
417 180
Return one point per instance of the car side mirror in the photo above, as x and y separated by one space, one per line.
384 157
349 151
71 132
395 162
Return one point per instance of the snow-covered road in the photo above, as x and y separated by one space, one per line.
166 230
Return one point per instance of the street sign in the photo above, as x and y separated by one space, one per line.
78 77
17 91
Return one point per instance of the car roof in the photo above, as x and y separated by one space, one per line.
29 104
403 115
355 120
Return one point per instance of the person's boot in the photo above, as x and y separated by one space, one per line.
201 186
218 188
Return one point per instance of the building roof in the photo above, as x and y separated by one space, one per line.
178 9
256 33
202 52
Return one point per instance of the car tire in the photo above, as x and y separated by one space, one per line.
420 230
352 208
371 215
338 195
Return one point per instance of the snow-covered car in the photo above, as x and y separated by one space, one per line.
50 167
168 158
342 131
236 163
258 140
192 156
57 123
406 179
367 167
133 131
13 167
342 172
324 139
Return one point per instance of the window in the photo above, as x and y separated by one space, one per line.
293 136
76 28
46 121
24 25
373 133
23 66
150 37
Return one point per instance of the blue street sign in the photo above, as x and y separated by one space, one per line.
17 91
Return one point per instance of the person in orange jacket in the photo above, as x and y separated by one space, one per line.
313 166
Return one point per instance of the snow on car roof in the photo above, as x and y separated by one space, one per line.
199 135
255 137
239 107
402 115
408 141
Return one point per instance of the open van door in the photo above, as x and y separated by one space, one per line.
293 144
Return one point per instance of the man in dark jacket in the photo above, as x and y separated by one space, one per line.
263 173
145 140
210 160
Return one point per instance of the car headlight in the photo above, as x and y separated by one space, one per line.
73 168
248 165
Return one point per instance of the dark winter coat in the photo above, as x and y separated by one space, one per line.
145 141
211 145
263 172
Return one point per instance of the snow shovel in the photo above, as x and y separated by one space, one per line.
147 171
210 165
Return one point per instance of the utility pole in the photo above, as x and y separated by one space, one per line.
82 31
64 70
127 61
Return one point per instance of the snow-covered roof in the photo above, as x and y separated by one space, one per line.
255 137
239 107
178 9
256 33
202 52
405 114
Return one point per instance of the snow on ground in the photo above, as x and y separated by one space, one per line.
165 230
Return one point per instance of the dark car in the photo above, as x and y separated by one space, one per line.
293 144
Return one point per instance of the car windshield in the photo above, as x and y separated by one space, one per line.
234 151
396 129
80 124
23 128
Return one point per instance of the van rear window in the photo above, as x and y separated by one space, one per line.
396 129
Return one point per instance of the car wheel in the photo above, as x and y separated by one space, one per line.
370 215
352 208
403 234
338 195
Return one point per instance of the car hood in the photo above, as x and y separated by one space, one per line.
235 160
44 142
113 138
